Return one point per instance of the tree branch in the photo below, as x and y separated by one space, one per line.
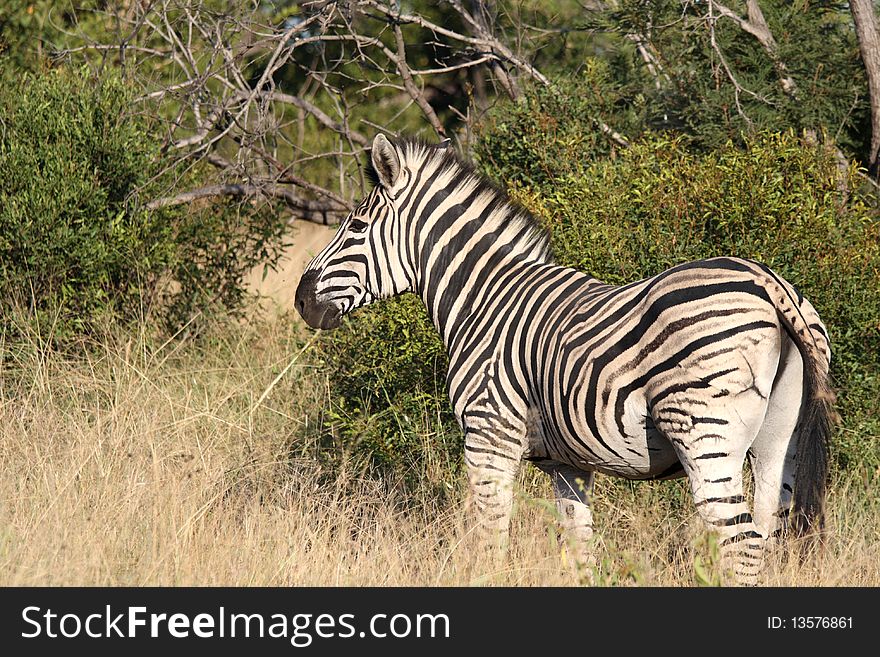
312 109
756 25
411 88
869 44
315 211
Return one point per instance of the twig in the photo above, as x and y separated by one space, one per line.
756 25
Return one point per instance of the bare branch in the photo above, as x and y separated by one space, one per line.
455 67
737 88
312 109
417 94
278 110
315 211
649 56
869 44
756 25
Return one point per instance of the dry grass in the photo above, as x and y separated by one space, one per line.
203 464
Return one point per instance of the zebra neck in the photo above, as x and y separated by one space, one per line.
463 234
458 283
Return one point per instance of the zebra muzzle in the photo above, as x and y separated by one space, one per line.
317 314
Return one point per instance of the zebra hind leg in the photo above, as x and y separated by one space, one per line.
773 453
712 451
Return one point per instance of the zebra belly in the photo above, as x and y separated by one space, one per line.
642 452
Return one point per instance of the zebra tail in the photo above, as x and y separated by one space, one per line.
817 416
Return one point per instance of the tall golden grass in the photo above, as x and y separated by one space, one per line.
204 462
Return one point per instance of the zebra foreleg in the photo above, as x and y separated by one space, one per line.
492 464
572 489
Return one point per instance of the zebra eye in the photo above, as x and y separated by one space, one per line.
357 226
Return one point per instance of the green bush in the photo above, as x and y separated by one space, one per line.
554 132
387 375
78 245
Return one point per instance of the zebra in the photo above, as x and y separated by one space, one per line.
686 373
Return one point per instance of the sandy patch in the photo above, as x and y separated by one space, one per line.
278 288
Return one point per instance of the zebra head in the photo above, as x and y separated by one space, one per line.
361 263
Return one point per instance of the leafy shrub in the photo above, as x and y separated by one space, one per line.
553 131
25 27
387 375
78 245
215 246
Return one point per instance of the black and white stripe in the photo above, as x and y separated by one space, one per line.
686 373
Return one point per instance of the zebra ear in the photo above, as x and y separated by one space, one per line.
385 161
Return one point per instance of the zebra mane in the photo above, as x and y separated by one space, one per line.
502 212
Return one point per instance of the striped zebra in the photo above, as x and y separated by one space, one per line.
683 374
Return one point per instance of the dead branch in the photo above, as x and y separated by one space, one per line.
316 211
417 94
279 109
322 117
756 25
869 44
